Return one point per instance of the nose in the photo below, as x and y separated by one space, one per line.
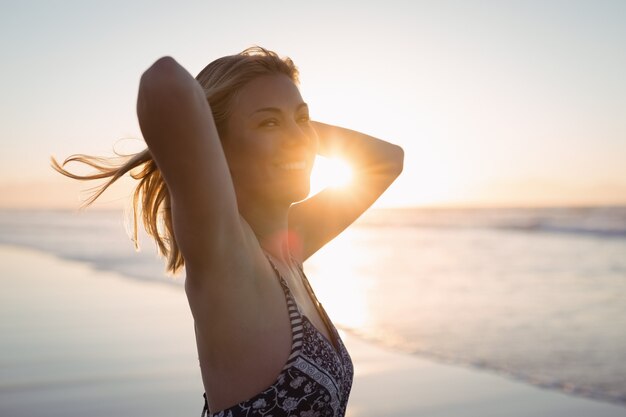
298 135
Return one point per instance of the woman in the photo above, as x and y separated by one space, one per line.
227 171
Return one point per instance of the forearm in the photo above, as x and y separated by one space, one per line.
364 153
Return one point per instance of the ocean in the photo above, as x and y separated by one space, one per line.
535 294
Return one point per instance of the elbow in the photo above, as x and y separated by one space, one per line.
162 76
161 68
391 162
397 160
166 89
164 62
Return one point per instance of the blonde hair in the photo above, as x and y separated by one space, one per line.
221 81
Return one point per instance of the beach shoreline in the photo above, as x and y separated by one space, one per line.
80 341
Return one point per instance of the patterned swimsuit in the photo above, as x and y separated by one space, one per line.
316 379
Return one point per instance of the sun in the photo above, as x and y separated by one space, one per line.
329 172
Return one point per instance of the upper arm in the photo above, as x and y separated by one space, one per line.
319 219
178 126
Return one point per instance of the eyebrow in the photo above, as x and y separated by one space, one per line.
277 110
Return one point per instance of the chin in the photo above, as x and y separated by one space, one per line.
297 192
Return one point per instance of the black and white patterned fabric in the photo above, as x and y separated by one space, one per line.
316 379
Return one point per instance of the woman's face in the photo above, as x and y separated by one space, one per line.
269 143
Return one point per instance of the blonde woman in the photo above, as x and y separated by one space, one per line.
227 173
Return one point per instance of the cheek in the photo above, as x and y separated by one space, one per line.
315 143
249 163
313 140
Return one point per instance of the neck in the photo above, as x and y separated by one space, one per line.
270 225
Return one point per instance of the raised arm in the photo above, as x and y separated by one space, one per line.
178 126
375 165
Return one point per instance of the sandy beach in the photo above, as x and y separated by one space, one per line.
78 342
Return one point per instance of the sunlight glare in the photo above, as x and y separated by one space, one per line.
329 172
341 288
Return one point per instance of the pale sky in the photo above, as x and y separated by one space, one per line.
494 102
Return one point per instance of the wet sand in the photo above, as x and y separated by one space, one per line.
78 342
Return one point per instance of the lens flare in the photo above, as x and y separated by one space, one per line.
329 172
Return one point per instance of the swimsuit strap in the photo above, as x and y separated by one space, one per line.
320 308
295 315
278 274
